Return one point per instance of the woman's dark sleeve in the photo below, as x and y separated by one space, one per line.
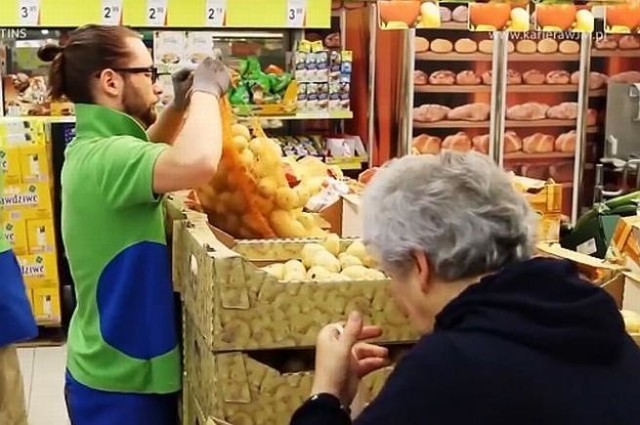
319 413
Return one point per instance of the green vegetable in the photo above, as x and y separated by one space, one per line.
282 83
250 68
239 95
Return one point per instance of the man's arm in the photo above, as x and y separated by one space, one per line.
166 128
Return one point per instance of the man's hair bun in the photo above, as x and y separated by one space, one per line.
48 52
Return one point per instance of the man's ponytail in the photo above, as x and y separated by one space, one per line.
54 54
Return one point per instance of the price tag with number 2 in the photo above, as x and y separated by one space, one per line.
111 12
296 13
156 12
215 13
29 12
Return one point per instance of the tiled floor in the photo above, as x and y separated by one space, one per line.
43 373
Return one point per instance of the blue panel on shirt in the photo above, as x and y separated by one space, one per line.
135 302
16 317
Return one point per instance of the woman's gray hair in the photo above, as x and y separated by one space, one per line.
461 210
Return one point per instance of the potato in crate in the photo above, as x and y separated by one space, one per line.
237 305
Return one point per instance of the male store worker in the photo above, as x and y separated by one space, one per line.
16 325
123 358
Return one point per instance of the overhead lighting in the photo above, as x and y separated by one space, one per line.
45 32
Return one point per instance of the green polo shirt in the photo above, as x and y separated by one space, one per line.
123 335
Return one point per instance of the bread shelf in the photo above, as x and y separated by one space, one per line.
451 124
546 123
542 57
457 26
513 88
453 56
523 156
615 53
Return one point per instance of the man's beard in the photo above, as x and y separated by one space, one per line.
145 114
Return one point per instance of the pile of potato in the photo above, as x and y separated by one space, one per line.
252 196
326 262
631 321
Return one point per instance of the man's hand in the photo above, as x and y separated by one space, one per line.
342 360
212 77
182 84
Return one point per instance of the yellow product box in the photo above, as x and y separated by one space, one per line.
41 236
34 163
40 270
32 200
15 231
46 304
10 164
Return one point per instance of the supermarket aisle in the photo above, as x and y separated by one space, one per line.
43 371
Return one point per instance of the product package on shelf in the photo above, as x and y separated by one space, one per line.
324 78
27 213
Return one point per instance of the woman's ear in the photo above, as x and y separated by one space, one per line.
423 271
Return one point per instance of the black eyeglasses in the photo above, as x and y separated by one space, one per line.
141 70
149 70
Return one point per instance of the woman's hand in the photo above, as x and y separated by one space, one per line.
342 359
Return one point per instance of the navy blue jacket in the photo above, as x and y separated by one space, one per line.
16 318
531 345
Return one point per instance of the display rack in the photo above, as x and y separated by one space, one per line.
572 167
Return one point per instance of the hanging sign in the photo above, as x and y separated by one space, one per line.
28 13
111 12
157 13
215 13
296 13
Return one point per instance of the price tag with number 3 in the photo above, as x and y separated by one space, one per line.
29 12
111 12
215 13
296 13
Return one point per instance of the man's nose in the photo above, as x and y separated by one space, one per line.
157 89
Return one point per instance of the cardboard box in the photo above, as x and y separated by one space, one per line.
31 200
239 388
41 236
545 197
40 271
34 163
15 231
607 275
238 306
46 305
10 165
624 248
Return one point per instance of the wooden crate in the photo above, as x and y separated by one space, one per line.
235 388
237 306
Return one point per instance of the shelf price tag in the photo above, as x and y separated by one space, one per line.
29 12
111 12
215 13
156 12
296 13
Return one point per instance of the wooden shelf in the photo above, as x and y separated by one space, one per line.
522 156
541 57
508 124
512 88
615 53
451 124
453 56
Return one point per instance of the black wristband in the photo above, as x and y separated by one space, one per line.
329 400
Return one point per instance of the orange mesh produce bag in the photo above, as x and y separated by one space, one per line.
250 196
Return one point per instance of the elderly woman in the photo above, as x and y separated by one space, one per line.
509 339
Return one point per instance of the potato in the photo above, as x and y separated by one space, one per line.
347 260
276 270
308 252
294 271
247 159
240 142
319 274
356 272
332 243
241 130
286 198
327 260
357 249
373 274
